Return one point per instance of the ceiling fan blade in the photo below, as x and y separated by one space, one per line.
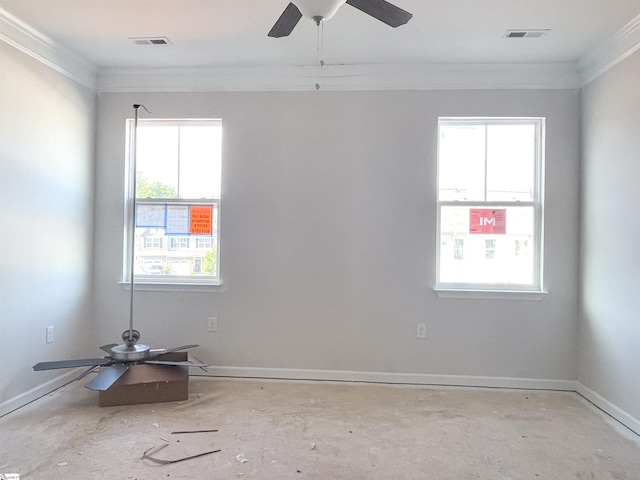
83 362
107 377
107 348
383 11
287 22
184 347
161 351
183 364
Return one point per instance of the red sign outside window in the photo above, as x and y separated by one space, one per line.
486 220
201 220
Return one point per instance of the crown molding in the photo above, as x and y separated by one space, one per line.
607 55
42 48
342 77
332 77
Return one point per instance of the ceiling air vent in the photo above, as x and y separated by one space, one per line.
525 33
151 41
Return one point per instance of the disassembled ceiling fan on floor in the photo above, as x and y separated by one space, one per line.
121 357
321 10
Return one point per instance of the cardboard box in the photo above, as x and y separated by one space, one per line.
147 383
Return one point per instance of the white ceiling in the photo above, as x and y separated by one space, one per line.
233 33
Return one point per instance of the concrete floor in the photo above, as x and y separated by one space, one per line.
316 430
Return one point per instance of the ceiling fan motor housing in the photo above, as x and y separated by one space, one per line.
125 353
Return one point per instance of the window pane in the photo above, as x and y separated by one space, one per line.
511 153
160 254
157 161
461 162
200 149
178 161
489 258
177 240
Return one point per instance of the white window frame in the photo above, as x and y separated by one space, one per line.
498 290
172 282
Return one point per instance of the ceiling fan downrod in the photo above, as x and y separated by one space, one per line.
130 351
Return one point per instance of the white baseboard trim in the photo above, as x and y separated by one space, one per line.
609 408
393 378
598 400
36 392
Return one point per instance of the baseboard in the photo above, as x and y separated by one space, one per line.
394 378
606 406
599 401
29 396
609 408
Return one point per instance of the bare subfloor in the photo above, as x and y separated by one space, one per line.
315 430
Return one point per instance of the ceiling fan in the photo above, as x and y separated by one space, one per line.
321 10
120 358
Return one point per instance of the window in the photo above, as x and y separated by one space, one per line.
177 186
522 248
490 249
490 194
458 248
197 265
179 242
153 242
203 242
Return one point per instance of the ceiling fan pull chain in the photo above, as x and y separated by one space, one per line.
319 50
322 46
318 55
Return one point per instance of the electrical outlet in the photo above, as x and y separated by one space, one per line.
50 334
213 324
421 330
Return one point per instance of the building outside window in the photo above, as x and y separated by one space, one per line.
178 242
522 247
203 242
458 249
490 249
490 198
177 185
197 265
153 242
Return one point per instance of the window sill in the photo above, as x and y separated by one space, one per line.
491 294
175 287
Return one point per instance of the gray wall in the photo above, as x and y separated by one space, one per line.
610 319
327 237
46 219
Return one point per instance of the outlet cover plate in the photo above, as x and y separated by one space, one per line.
213 324
49 334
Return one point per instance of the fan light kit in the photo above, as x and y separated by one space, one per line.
122 357
319 10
